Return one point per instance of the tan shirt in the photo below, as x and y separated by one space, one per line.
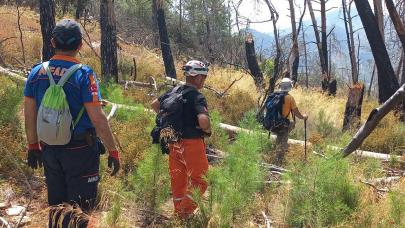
289 105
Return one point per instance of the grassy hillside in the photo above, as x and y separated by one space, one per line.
317 193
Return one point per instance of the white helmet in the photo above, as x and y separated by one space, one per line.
195 67
286 85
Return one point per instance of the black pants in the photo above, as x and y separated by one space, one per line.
72 174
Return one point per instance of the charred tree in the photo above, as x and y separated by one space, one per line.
353 107
80 7
277 59
324 36
305 58
164 40
294 57
252 62
396 20
350 40
47 21
155 27
109 58
379 16
322 59
293 61
399 27
387 82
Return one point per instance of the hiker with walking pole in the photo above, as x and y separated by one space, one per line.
279 106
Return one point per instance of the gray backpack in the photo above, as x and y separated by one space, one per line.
54 121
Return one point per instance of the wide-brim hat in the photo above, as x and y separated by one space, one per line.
286 85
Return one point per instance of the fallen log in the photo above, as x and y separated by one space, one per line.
384 180
136 84
13 75
112 112
361 153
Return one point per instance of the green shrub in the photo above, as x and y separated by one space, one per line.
233 183
150 183
324 126
322 193
10 99
397 208
219 137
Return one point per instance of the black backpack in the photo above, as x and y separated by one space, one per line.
169 120
273 119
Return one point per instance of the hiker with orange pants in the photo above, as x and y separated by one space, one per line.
187 160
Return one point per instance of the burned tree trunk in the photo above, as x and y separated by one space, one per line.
164 40
155 26
294 55
353 107
374 118
305 59
324 36
387 82
396 20
47 21
399 27
294 59
324 68
252 62
109 59
276 73
350 40
80 7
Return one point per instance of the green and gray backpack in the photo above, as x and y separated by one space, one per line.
54 121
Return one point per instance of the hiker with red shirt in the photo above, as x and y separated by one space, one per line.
71 169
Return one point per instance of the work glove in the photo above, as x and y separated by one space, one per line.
114 161
34 155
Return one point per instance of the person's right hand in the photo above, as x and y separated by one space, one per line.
34 156
114 161
305 116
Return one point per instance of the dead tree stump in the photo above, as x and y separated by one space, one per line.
353 107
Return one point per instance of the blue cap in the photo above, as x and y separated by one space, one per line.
67 34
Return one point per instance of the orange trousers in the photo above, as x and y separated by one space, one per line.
188 165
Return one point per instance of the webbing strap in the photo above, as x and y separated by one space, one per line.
69 73
78 117
48 72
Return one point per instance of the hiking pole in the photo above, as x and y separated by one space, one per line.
305 139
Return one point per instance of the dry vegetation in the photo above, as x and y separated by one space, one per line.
121 203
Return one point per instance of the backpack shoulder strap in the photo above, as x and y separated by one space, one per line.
187 90
69 73
45 65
